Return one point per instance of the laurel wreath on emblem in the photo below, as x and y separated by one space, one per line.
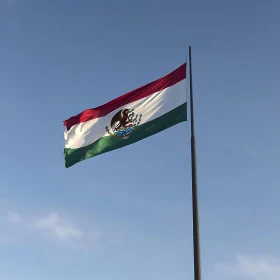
123 123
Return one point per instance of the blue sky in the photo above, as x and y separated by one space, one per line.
127 214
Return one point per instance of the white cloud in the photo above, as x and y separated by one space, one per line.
253 268
58 228
51 226
13 217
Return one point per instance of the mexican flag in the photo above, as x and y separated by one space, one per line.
127 119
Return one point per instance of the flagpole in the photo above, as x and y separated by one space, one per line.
196 237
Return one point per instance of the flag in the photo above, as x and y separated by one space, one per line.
127 119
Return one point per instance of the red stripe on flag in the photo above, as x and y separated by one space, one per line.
167 81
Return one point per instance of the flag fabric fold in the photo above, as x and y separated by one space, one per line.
127 119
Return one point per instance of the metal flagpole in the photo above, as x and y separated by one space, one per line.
196 238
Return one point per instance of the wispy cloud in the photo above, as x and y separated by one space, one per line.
251 267
51 226
13 217
58 228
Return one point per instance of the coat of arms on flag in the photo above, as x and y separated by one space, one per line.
123 123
